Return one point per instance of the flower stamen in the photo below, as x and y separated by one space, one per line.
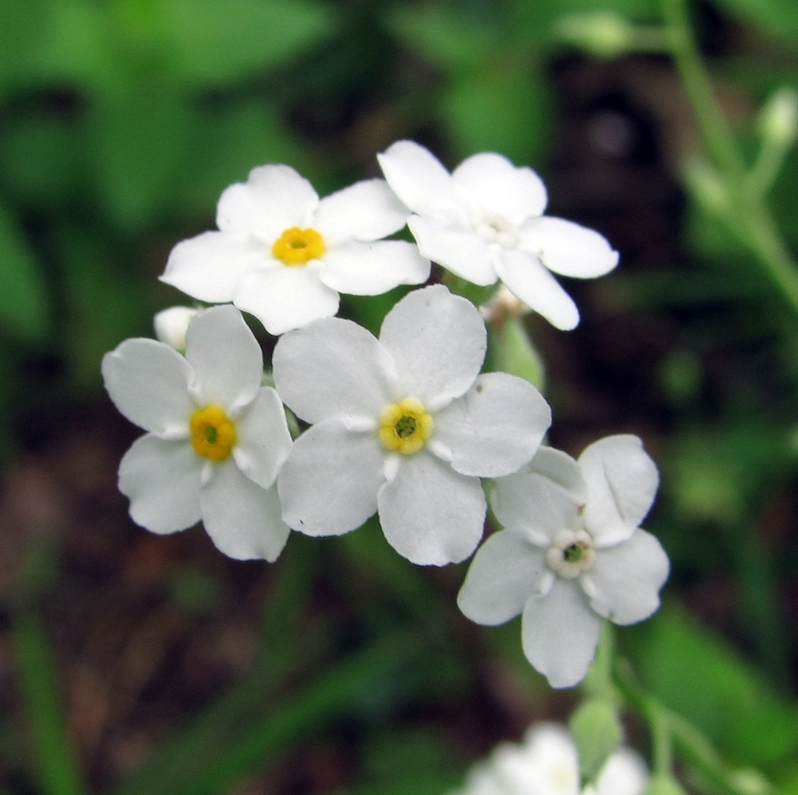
571 553
405 426
298 246
213 433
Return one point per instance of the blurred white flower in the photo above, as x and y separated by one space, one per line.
485 222
216 439
284 255
571 553
404 425
545 763
171 325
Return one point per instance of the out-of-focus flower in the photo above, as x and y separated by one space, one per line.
571 553
403 425
216 439
171 325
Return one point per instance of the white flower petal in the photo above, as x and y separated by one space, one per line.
624 774
560 468
535 505
328 485
496 427
263 441
367 210
225 356
331 368
210 266
162 481
568 248
419 180
627 578
148 382
496 185
171 325
285 298
622 481
459 250
274 198
429 513
373 268
504 573
529 281
559 633
438 341
242 519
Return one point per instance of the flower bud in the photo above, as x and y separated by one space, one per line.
778 118
664 785
707 186
602 33
171 325
597 733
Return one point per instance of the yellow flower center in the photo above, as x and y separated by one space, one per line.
297 246
213 433
405 426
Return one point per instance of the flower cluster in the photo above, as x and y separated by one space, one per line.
404 425
545 762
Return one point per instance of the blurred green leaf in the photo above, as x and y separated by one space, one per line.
511 351
701 677
774 17
23 299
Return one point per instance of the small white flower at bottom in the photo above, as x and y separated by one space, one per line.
216 439
571 553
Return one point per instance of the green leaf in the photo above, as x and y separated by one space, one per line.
23 299
774 17
512 351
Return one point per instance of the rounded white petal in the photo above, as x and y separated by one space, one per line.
242 519
148 382
225 356
438 341
429 513
546 764
529 281
285 298
495 184
622 481
560 468
210 266
460 250
504 573
274 198
535 505
263 442
328 485
171 325
624 774
496 427
626 578
419 180
367 210
333 368
373 268
559 633
162 481
568 248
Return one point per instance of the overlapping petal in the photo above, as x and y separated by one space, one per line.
148 381
161 479
328 485
560 468
429 513
490 600
438 342
243 519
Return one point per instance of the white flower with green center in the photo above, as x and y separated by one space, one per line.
404 425
216 438
284 255
485 222
545 762
571 553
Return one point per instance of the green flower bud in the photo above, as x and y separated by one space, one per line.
664 785
778 118
602 33
597 733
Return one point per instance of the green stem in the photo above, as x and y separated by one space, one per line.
58 770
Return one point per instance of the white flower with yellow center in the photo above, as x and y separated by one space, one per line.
545 762
571 553
284 255
216 438
485 222
404 425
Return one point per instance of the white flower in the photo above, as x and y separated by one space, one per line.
485 222
216 439
171 325
404 425
284 255
546 763
571 553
